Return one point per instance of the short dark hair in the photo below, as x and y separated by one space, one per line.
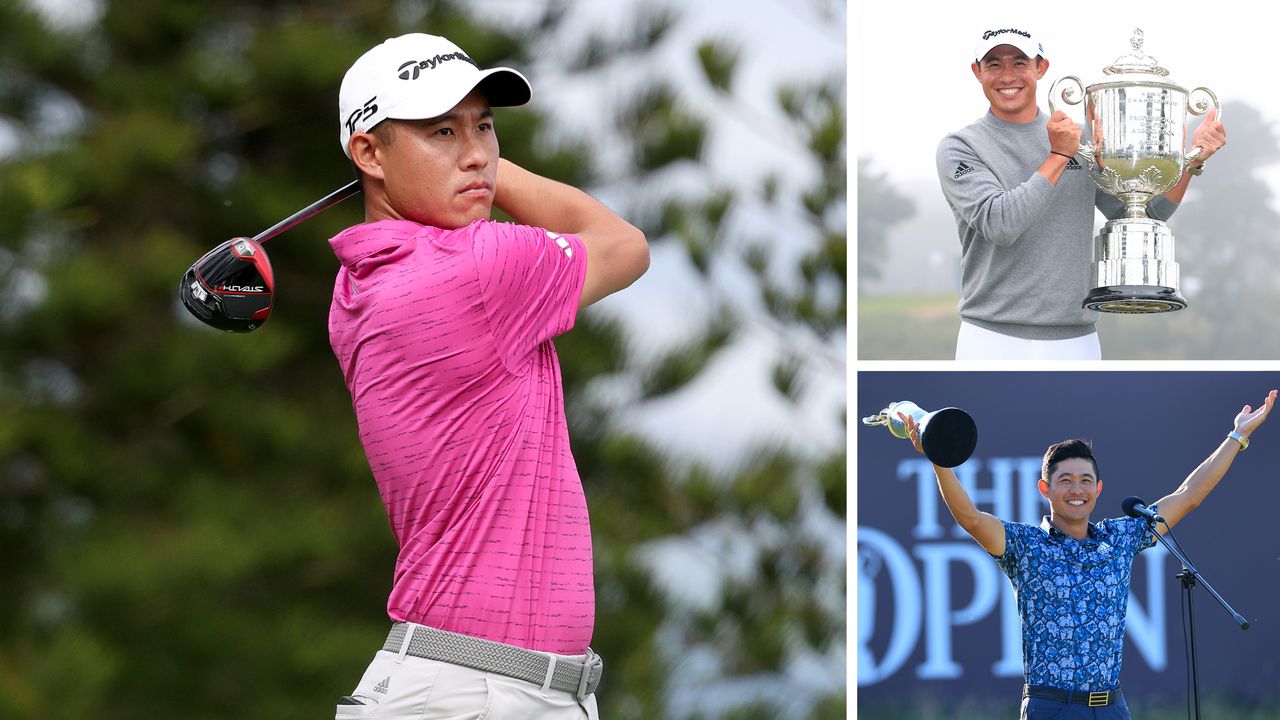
1066 450
1038 59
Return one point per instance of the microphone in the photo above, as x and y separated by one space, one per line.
1134 507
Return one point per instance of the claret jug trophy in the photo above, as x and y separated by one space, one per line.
948 436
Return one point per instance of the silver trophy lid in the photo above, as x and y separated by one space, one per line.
1136 62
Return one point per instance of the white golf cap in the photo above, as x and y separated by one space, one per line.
416 77
1021 39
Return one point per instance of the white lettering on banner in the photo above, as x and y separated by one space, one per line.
938 616
927 498
999 496
1021 472
921 599
1146 629
1010 662
1007 474
877 550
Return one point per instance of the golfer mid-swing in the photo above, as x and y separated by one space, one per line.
442 321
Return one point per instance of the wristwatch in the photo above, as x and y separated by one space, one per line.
1242 439
1195 170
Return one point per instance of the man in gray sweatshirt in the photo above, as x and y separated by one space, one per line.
1024 207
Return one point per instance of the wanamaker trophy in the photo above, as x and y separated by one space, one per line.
948 436
1137 124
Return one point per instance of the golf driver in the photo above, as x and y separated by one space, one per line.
231 286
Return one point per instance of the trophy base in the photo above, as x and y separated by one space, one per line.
948 437
1135 299
1134 270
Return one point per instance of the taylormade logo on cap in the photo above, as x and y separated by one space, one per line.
1021 39
992 33
412 69
417 77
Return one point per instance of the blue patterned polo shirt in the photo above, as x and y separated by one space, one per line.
1072 599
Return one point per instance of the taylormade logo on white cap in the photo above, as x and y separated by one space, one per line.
1016 37
416 77
992 33
412 69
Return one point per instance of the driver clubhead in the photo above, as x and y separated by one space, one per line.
231 287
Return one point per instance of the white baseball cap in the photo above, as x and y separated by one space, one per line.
1021 39
416 77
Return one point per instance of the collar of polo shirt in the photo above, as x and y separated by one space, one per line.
1054 532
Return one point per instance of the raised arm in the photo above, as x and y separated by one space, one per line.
617 252
983 527
1175 506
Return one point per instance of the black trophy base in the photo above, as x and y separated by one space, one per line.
1134 299
948 437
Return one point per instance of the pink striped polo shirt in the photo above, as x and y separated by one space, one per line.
444 338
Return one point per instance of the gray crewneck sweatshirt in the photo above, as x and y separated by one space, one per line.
1026 244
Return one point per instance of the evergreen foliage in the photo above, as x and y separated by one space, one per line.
189 526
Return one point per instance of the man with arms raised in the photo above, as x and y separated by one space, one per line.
1072 641
1024 208
442 323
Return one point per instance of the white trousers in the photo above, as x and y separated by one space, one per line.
975 343
411 688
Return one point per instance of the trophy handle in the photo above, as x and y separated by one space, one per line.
1199 107
1072 95
888 417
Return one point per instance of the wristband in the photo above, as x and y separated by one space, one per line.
1055 152
1242 439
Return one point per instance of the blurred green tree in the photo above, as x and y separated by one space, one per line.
779 605
880 207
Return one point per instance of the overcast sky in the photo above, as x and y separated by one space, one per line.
911 83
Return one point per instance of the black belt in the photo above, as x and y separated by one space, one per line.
1082 697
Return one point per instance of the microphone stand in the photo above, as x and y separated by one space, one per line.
1189 575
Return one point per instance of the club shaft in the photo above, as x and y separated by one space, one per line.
310 211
